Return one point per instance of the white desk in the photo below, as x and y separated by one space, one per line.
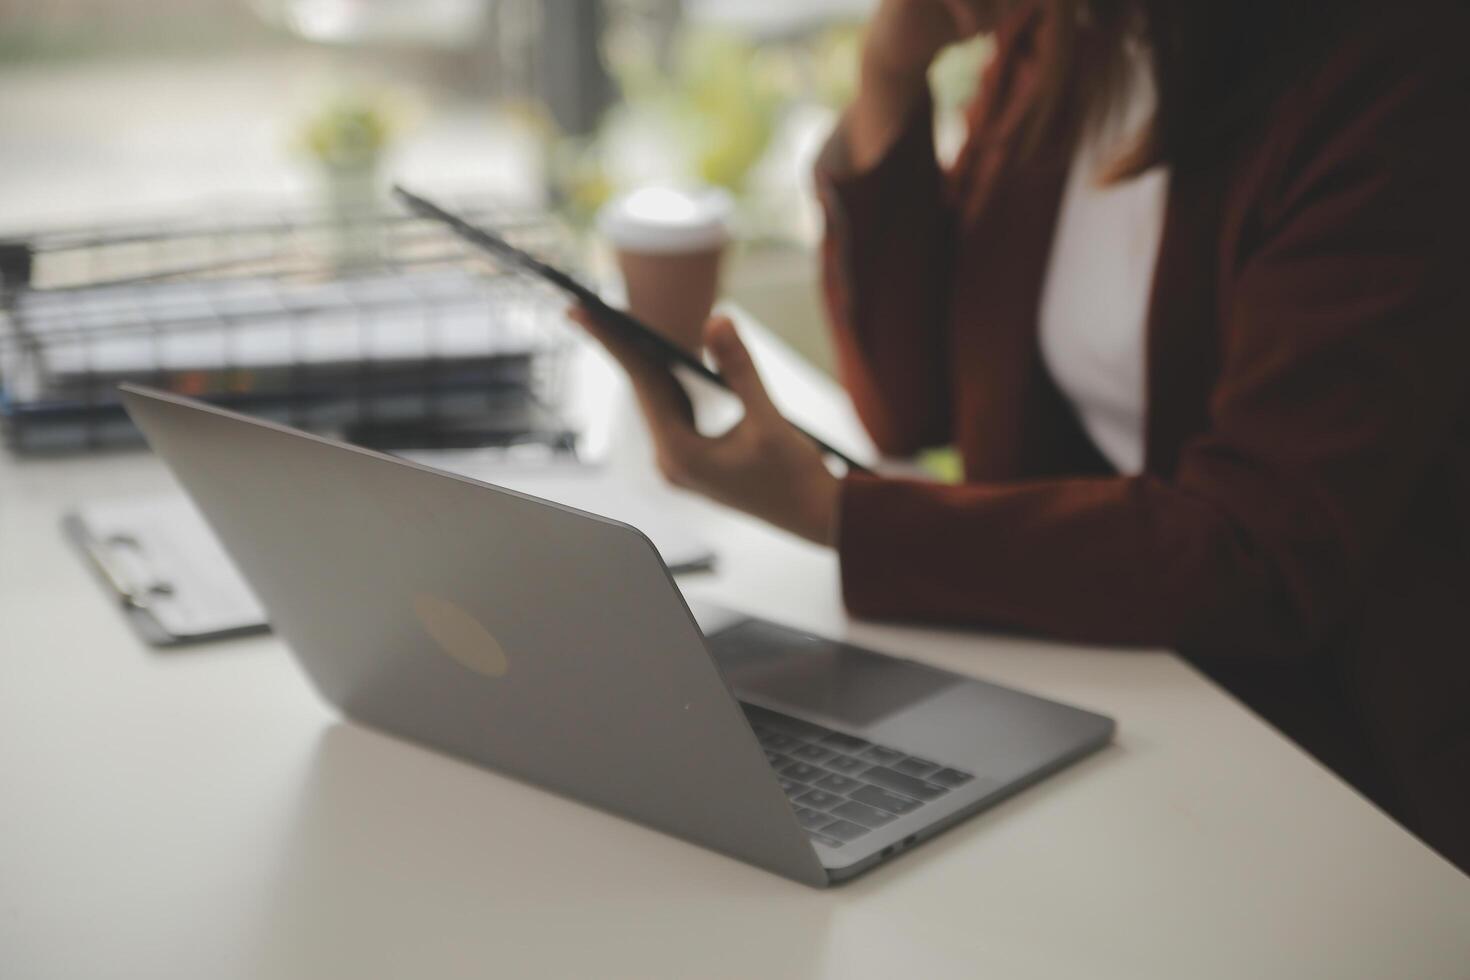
200 814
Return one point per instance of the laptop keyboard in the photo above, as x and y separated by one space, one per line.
841 786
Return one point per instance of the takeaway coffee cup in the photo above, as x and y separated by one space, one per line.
669 242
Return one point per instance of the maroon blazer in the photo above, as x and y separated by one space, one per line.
1302 527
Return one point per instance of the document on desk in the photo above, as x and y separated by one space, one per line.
588 488
177 584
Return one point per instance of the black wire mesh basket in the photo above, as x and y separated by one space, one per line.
379 327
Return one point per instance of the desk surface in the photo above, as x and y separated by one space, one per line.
201 814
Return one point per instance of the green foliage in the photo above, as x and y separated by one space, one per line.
580 179
955 75
721 99
733 97
944 465
835 57
350 132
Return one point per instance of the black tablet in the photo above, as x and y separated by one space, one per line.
649 340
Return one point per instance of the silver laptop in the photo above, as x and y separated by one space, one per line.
553 646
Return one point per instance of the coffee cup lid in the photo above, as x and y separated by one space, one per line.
668 219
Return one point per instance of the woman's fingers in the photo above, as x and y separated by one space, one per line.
662 399
685 456
762 465
619 347
737 368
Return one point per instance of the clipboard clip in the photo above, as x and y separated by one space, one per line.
132 594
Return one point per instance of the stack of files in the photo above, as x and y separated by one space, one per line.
391 347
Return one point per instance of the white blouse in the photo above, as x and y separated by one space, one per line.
1095 300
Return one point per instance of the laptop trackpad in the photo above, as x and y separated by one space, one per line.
851 687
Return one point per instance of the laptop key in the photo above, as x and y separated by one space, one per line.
884 800
812 753
812 819
804 771
838 784
844 830
914 766
792 788
862 813
879 754
818 799
776 740
845 743
777 760
892 779
950 777
821 838
846 764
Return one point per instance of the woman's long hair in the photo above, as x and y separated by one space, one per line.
1217 65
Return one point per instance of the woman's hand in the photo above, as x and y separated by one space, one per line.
761 465
905 36
903 39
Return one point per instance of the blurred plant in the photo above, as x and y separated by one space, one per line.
348 138
351 131
709 107
575 171
834 61
728 96
579 177
718 101
709 115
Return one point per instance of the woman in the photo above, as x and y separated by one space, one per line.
1192 304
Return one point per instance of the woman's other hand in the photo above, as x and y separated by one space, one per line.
905 36
761 465
903 39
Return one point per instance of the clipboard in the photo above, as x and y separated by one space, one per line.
167 571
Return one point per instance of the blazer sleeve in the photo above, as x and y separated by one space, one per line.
884 263
888 252
1346 333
